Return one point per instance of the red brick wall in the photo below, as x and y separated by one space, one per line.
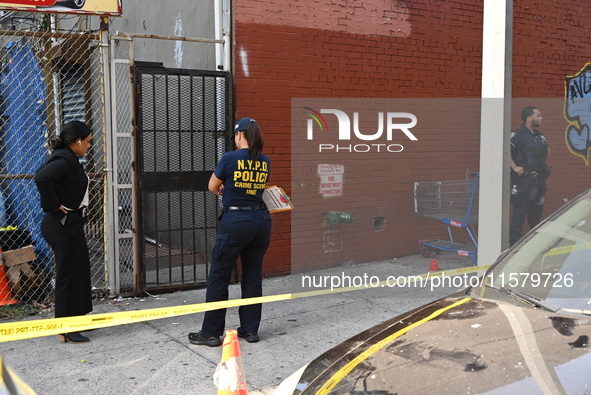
551 42
392 49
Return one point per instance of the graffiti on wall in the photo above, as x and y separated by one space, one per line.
331 241
577 110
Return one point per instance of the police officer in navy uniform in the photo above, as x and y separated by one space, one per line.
244 231
529 170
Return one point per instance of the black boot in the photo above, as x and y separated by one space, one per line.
73 337
201 338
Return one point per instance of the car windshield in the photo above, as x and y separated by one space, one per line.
552 266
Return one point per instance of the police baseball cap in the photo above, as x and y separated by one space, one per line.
243 124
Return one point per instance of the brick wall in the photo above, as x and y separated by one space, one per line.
550 43
390 49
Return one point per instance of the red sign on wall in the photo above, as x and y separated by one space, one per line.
331 180
42 3
98 7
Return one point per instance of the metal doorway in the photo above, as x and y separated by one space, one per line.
182 125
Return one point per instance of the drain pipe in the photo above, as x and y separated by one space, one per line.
334 217
222 32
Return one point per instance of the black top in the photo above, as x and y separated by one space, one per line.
529 149
61 181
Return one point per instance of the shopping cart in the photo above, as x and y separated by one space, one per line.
455 203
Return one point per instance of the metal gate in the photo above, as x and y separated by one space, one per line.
182 126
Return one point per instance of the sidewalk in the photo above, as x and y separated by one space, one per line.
155 357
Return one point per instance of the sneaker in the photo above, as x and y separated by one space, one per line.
250 337
201 339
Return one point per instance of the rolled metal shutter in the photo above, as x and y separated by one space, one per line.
73 96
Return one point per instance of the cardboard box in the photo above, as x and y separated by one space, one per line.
276 199
20 255
20 272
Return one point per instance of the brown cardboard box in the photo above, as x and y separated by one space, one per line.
20 273
20 255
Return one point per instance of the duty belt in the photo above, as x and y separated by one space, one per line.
261 206
83 211
539 173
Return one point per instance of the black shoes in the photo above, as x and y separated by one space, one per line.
250 337
201 339
73 337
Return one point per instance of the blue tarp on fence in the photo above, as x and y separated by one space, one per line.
23 138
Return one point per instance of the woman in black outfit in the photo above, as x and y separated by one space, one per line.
63 186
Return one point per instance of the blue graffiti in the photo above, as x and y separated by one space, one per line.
577 111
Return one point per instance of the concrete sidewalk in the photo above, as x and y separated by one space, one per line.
155 357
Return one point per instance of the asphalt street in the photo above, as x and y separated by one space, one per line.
155 357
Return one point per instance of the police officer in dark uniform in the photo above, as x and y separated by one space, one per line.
529 151
244 231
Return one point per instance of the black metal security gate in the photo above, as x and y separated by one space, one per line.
182 125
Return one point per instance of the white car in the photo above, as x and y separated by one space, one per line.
523 330
74 4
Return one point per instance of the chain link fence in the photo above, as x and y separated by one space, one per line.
51 75
123 272
47 77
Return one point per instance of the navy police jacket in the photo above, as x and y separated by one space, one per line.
529 149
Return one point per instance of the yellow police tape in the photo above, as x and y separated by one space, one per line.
37 328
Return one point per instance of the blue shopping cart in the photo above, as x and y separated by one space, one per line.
455 203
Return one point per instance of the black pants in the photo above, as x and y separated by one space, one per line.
524 207
245 234
72 281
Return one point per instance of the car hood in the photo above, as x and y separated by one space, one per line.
460 345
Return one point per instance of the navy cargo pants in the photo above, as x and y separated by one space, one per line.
525 207
244 234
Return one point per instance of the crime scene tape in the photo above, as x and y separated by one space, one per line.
20 330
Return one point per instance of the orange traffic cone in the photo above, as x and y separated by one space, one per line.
5 295
229 375
433 265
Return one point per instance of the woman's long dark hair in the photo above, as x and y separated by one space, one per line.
70 132
255 141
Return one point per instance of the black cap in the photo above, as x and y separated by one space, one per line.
243 124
